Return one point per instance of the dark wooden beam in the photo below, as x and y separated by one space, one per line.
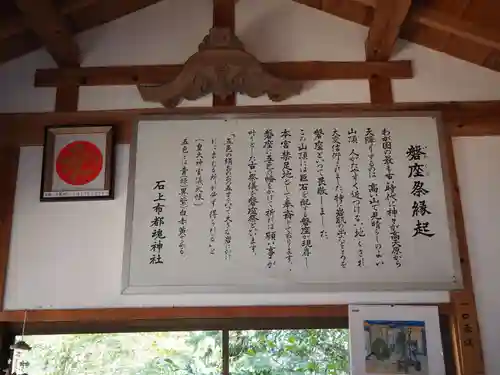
453 25
125 314
384 29
44 19
166 313
464 119
9 157
473 32
16 25
224 17
159 74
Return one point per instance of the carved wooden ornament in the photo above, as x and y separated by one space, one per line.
220 67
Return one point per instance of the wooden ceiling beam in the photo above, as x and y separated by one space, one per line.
384 29
441 21
159 74
467 30
16 25
44 19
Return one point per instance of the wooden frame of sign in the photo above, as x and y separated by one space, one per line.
78 163
164 287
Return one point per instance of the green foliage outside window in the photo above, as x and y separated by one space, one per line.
266 352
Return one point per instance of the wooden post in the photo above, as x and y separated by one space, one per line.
384 31
224 16
381 90
9 158
7 338
225 352
464 319
9 161
67 98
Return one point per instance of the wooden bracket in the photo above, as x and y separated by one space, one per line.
222 67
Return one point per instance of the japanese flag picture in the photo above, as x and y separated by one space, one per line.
78 163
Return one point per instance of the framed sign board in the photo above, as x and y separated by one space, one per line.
289 205
77 163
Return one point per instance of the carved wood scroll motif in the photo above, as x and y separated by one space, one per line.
220 67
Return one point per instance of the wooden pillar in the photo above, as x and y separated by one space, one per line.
464 319
9 158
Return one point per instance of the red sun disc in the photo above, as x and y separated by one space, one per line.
79 163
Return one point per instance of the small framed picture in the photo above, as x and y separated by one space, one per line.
391 340
78 163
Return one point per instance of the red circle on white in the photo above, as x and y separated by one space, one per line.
79 163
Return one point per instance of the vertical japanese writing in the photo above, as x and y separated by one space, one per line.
270 211
373 190
305 203
213 198
183 197
391 197
340 221
321 188
359 231
198 198
287 177
417 154
157 223
228 190
467 327
252 212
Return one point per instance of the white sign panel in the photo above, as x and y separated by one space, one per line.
288 205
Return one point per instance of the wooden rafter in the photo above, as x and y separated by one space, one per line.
384 29
16 25
467 30
441 21
44 19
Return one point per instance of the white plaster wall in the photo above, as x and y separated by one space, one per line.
69 255
479 181
17 93
274 30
